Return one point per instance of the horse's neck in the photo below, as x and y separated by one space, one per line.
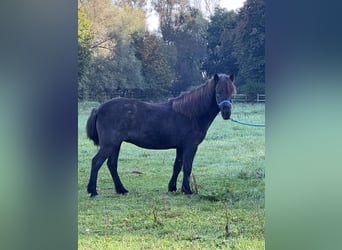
207 119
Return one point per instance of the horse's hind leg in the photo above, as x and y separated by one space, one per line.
177 167
96 164
113 168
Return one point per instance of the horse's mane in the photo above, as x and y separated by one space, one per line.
196 100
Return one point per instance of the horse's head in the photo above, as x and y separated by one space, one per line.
224 90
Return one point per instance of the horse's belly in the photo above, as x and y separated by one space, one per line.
153 141
153 146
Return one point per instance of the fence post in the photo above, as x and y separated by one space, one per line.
261 97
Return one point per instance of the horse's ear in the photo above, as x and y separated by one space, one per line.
216 78
231 77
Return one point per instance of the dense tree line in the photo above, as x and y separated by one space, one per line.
119 56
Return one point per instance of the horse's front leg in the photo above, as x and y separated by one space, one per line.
177 167
188 157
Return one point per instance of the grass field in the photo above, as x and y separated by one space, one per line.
229 171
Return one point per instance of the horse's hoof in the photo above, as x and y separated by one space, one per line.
172 187
123 192
93 196
187 191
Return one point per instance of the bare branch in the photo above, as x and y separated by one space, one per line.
97 45
102 47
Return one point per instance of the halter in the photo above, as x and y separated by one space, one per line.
225 101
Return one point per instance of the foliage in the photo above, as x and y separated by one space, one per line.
220 36
249 46
169 12
132 3
252 88
156 69
107 19
113 55
84 52
109 77
190 44
118 56
236 44
184 29
229 169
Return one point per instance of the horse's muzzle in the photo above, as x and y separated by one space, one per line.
225 111
225 107
225 115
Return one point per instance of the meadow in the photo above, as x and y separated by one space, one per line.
226 212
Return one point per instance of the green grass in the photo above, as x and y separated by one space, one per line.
229 175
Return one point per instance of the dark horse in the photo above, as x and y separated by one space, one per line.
179 123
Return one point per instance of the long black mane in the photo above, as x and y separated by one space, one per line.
196 100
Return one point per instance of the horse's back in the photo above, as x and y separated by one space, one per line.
118 112
148 125
141 123
126 108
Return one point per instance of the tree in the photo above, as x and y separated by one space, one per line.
249 46
169 12
156 69
114 69
84 50
107 19
119 77
118 57
183 29
190 42
220 40
132 3
211 5
236 44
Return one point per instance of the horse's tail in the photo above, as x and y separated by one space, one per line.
91 127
